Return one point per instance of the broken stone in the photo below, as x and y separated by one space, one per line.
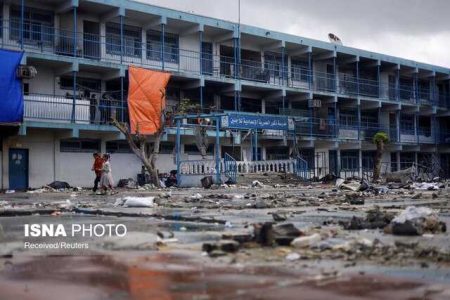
207 182
285 233
279 217
416 221
222 245
264 234
240 237
354 199
306 241
293 256
267 235
257 184
375 218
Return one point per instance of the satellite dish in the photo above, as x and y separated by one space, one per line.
334 39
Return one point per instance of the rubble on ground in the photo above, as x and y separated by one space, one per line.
416 221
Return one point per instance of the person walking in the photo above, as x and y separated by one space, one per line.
107 181
97 168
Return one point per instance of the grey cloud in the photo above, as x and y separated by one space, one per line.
414 29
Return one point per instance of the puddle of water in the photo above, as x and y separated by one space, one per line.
165 276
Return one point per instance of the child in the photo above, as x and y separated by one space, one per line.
107 181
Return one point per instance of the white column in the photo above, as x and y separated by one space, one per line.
144 46
102 39
5 24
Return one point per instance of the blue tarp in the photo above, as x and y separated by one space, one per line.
11 96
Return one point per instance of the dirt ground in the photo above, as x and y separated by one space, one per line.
228 242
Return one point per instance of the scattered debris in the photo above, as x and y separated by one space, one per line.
129 183
207 182
416 221
306 241
222 245
375 218
257 184
428 186
293 256
135 201
279 217
59 185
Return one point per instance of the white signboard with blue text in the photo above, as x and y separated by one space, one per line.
256 121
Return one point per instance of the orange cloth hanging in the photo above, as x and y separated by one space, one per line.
146 99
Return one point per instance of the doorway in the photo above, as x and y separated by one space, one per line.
18 169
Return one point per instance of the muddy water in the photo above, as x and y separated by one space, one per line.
168 276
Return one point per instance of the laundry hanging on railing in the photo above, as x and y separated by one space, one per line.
11 96
146 99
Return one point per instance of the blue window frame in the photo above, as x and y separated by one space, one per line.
349 160
348 119
118 147
80 145
367 160
171 46
38 25
299 70
407 124
132 40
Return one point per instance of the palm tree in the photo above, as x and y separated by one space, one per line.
379 139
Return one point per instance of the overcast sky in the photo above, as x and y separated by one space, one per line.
413 29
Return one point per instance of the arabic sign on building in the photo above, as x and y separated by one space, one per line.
253 121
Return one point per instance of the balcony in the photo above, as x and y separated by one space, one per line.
94 47
66 109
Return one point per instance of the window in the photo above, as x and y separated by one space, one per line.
118 147
166 148
80 145
407 124
369 121
299 70
277 153
349 160
93 85
406 88
367 160
37 27
171 46
348 119
207 58
26 88
272 62
407 159
132 40
193 150
394 162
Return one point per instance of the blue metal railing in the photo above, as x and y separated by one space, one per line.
301 168
230 168
59 108
47 39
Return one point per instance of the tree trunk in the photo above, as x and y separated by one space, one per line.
377 161
140 149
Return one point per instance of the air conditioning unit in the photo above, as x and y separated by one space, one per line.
26 72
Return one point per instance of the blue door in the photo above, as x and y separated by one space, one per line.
18 169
